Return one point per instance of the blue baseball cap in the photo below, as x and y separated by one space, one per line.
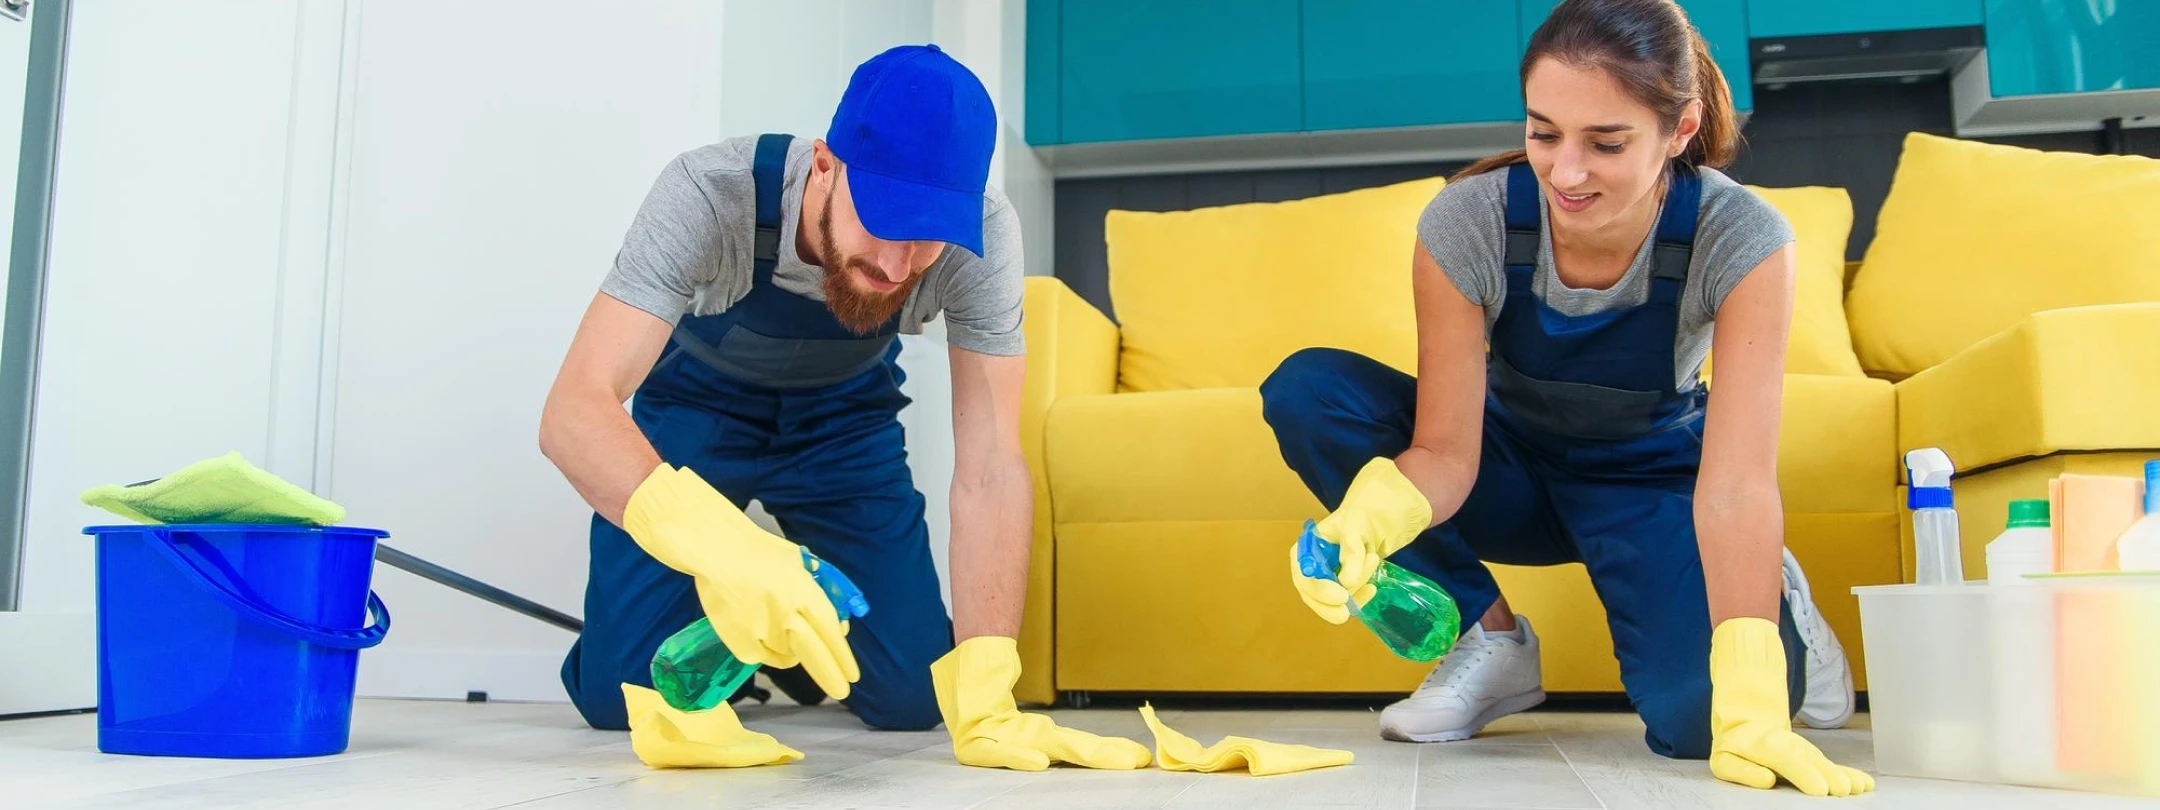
916 129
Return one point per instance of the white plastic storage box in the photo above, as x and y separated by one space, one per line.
2052 682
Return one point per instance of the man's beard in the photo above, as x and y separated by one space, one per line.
861 311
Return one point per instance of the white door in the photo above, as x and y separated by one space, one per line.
46 657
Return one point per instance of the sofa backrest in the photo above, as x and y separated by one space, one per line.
1217 297
1819 341
1974 237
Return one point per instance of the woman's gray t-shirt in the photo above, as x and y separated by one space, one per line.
1465 230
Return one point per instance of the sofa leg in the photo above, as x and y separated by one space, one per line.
1077 700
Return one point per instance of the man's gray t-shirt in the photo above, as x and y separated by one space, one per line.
688 251
1465 230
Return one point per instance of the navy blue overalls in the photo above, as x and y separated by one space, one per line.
774 400
1590 455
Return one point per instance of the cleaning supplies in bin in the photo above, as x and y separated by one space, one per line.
1937 557
693 671
1411 615
231 625
2091 514
2139 547
2026 546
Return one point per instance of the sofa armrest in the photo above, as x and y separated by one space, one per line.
2063 379
1072 349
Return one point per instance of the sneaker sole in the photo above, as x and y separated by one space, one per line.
1506 706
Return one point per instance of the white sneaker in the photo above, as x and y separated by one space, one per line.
1829 700
1484 678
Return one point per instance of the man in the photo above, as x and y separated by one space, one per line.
753 309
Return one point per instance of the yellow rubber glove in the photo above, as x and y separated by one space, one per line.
1177 752
974 691
762 604
1381 513
666 737
1751 738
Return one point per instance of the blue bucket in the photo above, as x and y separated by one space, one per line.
236 641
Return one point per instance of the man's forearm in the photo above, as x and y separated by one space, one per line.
1740 533
596 446
992 527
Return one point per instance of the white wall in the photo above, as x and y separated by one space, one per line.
351 240
163 286
161 296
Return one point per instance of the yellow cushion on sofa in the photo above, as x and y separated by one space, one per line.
1821 217
1837 445
1196 455
2079 379
1216 297
1976 236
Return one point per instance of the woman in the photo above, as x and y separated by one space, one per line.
1601 263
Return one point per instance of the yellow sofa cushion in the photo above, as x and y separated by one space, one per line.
1170 455
1820 342
1837 445
1975 236
1216 297
2066 379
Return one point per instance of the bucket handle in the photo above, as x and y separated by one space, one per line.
252 608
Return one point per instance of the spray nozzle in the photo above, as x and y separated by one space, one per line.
846 598
1317 558
1928 470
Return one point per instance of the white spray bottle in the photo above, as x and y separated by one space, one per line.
1938 559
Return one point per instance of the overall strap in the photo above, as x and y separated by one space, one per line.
1519 260
1675 235
1522 216
768 172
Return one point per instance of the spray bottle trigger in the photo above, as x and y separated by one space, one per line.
1317 558
846 598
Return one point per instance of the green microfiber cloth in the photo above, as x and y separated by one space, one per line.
226 489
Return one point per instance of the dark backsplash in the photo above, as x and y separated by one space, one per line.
1847 135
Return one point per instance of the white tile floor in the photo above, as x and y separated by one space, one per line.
411 755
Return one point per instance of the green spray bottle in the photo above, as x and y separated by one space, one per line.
1410 614
693 671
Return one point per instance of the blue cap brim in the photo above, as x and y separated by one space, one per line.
900 211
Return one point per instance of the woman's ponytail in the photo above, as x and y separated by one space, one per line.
1718 141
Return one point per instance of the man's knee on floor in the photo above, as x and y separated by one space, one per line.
602 708
908 707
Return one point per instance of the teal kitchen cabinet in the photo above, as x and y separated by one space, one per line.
1042 72
1394 63
1144 69
1800 18
2037 47
1723 23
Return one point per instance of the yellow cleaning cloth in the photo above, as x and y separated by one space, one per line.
225 489
665 737
1177 752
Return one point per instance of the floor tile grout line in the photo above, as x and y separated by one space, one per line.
1417 775
1576 771
1189 783
617 783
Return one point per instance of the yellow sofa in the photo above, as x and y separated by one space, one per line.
1165 513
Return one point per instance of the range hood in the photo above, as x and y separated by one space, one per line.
1905 55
